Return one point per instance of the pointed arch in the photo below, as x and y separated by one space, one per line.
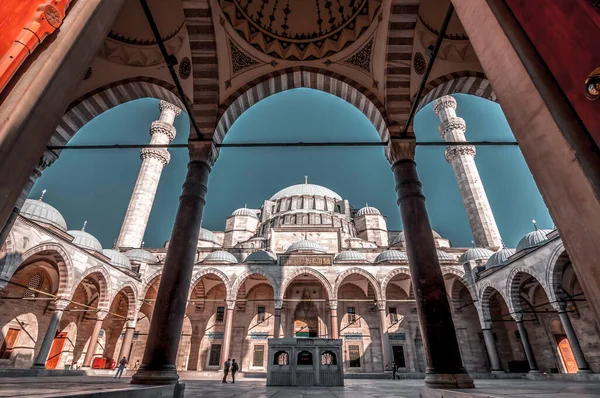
486 291
358 271
149 281
213 271
309 271
130 290
390 275
104 285
252 271
557 263
515 279
63 263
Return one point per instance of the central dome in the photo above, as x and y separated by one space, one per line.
305 189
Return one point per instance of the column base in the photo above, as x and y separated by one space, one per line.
448 380
166 375
38 366
498 372
586 371
534 371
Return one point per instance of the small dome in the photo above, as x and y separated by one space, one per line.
305 245
474 254
443 256
367 210
499 258
117 258
220 256
85 240
533 239
261 256
36 210
142 256
400 237
208 236
305 189
349 256
391 255
244 212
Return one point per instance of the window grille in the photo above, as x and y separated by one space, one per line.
35 282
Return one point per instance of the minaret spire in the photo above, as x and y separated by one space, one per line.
84 224
534 225
43 193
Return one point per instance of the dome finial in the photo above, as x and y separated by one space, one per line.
84 224
534 225
115 245
306 179
473 243
503 244
246 206
142 245
43 193
366 204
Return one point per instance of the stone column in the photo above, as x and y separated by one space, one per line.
335 329
582 363
228 329
153 162
160 356
533 368
444 364
42 357
277 326
385 345
91 351
490 345
462 159
126 346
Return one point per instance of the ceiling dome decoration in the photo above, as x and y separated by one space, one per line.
221 256
305 189
38 211
85 240
298 29
391 255
261 256
474 254
305 245
117 258
142 256
499 258
350 256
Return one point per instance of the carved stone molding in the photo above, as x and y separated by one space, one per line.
453 123
452 152
401 150
156 153
158 127
362 58
204 151
442 103
164 105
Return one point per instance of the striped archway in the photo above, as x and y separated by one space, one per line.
393 273
301 77
464 82
62 261
358 271
514 283
102 277
253 271
100 100
130 290
306 271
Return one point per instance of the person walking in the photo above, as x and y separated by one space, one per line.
234 368
394 370
226 366
121 368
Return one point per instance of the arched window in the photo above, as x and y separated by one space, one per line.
317 219
281 358
328 358
305 358
35 282
305 219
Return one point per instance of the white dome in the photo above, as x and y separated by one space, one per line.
244 212
367 210
117 258
36 210
305 189
142 256
391 255
533 239
261 256
445 256
350 256
220 256
85 240
499 258
474 254
305 245
208 236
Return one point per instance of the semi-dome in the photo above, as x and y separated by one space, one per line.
442 255
349 256
533 239
368 210
499 258
117 258
474 254
208 236
305 189
305 245
142 256
221 256
85 240
244 212
261 256
391 255
36 210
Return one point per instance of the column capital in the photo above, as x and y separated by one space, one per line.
278 303
454 151
164 105
60 304
159 127
381 305
230 304
101 314
204 151
451 124
156 153
518 317
333 305
444 102
400 149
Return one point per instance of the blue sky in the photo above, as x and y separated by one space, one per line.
95 185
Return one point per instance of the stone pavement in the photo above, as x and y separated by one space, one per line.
255 388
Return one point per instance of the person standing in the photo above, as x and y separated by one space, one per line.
121 368
394 370
226 366
234 368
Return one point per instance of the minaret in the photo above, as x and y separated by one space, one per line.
153 162
462 159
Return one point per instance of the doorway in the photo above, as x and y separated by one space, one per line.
398 353
56 350
566 353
